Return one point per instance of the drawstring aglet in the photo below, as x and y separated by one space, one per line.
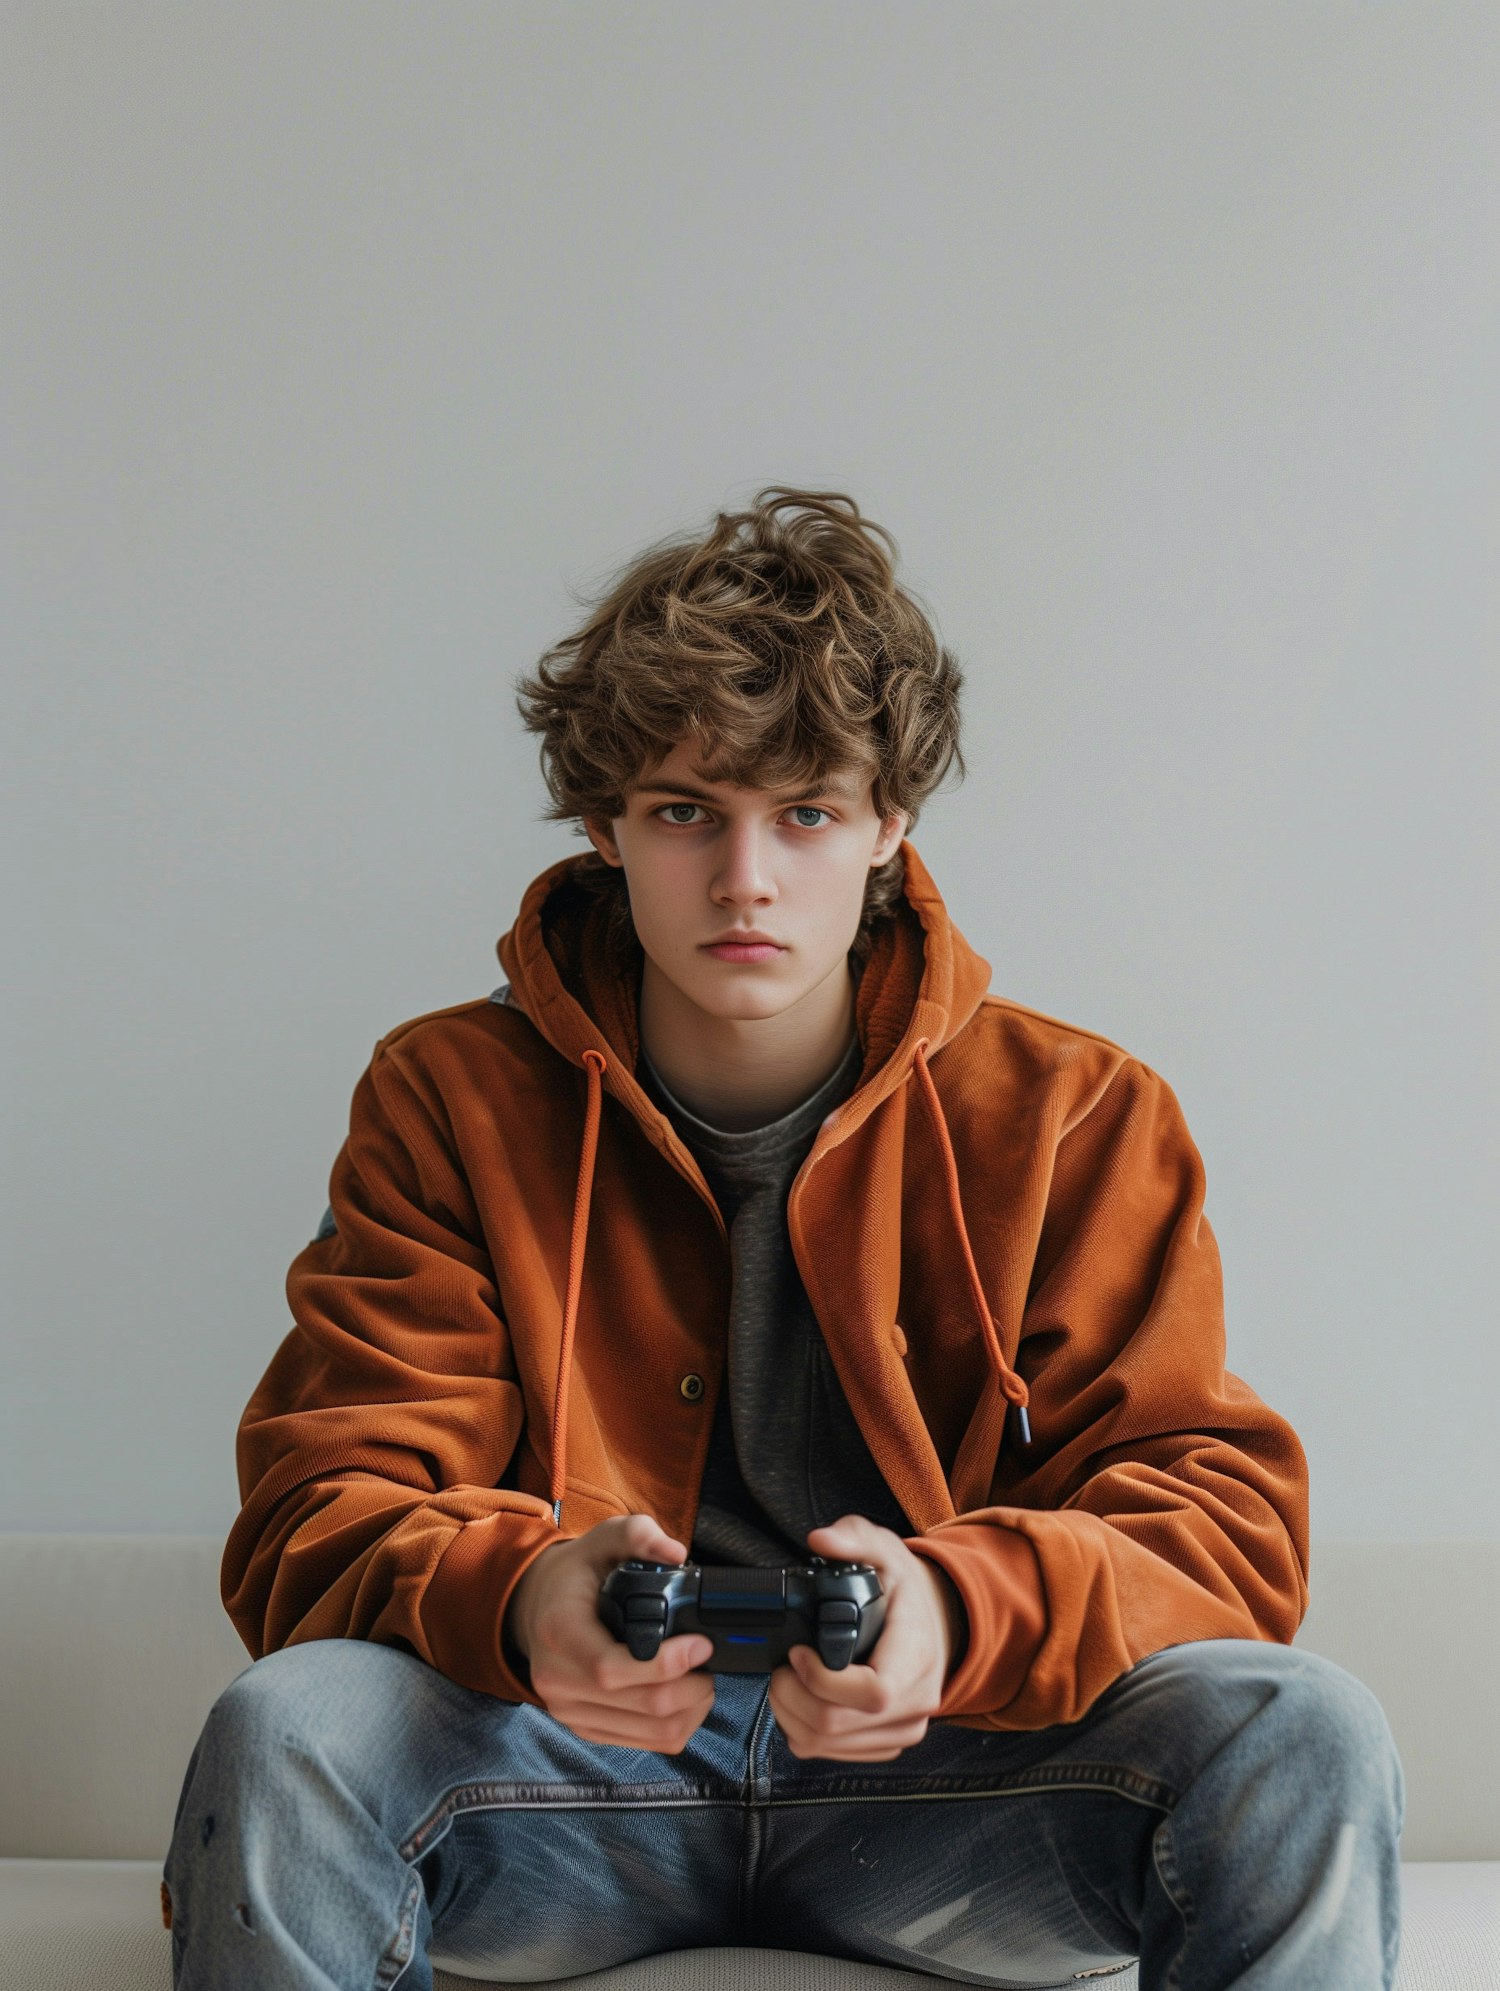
1025 1424
557 1513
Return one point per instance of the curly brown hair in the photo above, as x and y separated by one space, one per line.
782 645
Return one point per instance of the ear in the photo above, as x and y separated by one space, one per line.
891 832
602 838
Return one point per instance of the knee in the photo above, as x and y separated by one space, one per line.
1336 1727
323 1699
1318 1726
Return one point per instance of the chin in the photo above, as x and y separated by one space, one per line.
746 1005
740 1000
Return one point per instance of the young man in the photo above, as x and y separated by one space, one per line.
744 1222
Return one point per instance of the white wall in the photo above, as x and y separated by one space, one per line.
340 343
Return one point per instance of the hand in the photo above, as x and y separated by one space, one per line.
870 1713
586 1678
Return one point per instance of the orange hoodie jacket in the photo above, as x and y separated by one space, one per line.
1001 1233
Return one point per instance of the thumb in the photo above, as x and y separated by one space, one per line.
647 1541
849 1539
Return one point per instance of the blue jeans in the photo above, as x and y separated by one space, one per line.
1227 1812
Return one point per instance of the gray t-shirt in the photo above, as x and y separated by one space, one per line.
786 1454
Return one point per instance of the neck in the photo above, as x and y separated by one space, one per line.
740 1073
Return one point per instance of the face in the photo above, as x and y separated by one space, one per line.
703 859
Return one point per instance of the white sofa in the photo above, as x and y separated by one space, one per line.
114 1647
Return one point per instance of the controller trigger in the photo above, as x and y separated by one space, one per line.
836 1645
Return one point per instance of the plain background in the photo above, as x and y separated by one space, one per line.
346 348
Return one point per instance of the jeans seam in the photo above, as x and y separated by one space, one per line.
752 1780
503 1797
1075 1776
401 1949
500 1797
750 1827
1164 1860
962 1797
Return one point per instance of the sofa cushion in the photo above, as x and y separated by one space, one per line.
95 1925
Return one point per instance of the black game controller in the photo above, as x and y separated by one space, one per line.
752 1615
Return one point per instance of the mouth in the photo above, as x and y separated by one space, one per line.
742 950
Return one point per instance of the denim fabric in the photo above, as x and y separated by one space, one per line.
1227 1812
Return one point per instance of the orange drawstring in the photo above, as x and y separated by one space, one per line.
1011 1384
595 1062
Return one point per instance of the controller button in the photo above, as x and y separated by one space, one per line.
691 1386
646 1609
838 1612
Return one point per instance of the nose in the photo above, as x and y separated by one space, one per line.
742 875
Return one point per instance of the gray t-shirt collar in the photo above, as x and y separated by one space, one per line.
728 1144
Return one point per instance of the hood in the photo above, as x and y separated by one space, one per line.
921 985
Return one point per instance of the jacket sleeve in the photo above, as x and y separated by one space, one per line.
371 1453
1160 1500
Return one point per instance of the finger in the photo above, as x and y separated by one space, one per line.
595 1723
693 1690
648 1695
619 1671
903 1652
644 1726
816 1737
801 1705
856 1685
624 1535
858 1749
904 1658
576 1640
854 1538
639 1536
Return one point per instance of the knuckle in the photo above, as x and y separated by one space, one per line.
545 1677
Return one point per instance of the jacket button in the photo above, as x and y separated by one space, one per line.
691 1387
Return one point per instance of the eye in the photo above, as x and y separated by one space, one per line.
797 809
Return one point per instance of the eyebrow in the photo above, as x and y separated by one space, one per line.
703 795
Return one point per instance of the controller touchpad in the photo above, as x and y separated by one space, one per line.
742 1596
